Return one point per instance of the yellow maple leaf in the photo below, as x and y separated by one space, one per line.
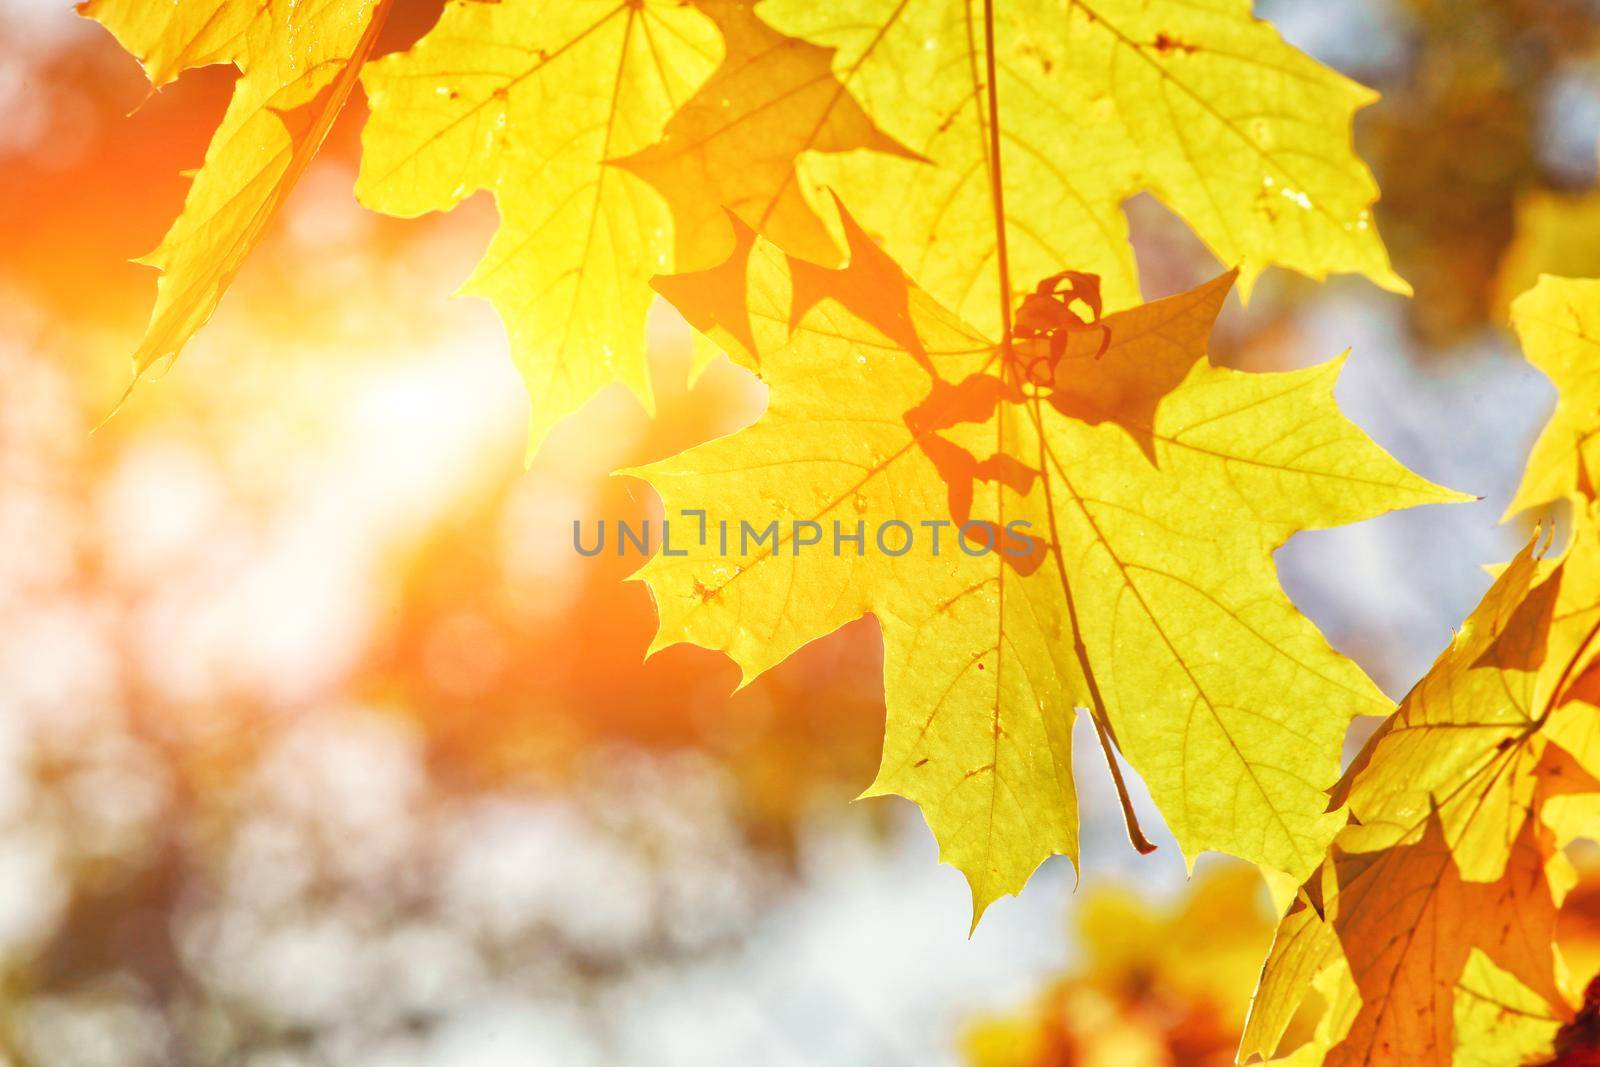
1558 322
530 100
1157 486
298 63
1198 103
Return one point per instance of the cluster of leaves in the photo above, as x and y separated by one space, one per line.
857 201
1430 925
614 135
619 138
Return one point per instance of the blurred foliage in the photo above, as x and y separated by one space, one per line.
1456 142
472 654
1157 986
1556 233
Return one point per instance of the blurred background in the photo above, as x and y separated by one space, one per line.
319 745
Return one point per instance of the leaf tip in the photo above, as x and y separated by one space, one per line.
979 906
117 407
657 643
1390 281
747 674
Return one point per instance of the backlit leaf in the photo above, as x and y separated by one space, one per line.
298 62
1199 103
1440 895
1157 486
531 100
1558 322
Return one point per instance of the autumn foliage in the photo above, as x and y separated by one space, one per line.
905 218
